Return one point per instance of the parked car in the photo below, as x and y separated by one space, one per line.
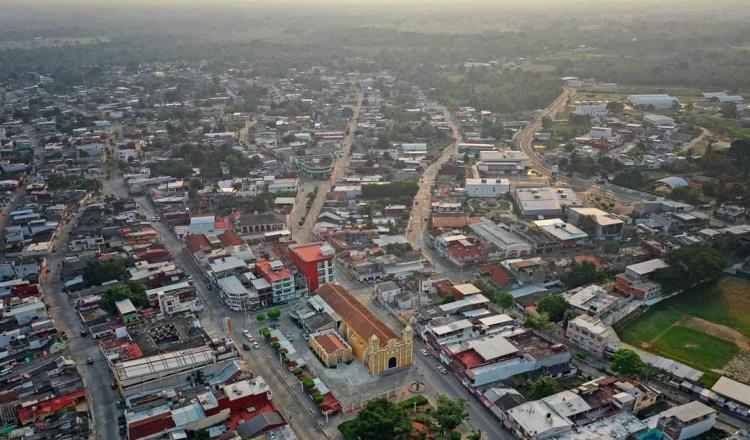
442 369
90 361
255 345
246 346
424 352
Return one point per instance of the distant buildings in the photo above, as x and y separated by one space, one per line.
544 201
487 187
606 226
505 163
656 101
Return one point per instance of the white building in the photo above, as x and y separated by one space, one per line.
686 421
506 243
487 187
657 101
503 163
589 333
544 201
545 418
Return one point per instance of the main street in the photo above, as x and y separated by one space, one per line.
420 210
303 233
525 140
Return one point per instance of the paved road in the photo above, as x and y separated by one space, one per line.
525 140
304 232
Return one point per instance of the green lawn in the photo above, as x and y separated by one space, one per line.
694 348
726 302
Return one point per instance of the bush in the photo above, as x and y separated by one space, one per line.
297 372
274 313
265 332
260 317
318 398
308 383
455 435
419 400
347 430
276 346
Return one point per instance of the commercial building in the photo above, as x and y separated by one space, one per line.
316 166
566 234
591 300
373 343
606 226
487 187
544 201
505 163
315 261
546 418
655 101
505 243
279 277
589 333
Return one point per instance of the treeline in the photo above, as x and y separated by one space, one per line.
391 191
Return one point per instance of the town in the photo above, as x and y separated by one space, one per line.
198 250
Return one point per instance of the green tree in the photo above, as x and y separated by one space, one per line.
274 313
554 306
503 299
538 321
627 362
260 317
581 274
199 378
133 290
449 413
689 266
100 271
611 246
475 435
587 223
381 419
200 434
542 387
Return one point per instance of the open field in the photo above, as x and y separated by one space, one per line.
707 328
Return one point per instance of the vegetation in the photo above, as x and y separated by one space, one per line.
100 271
689 266
380 419
56 182
450 413
627 362
274 313
133 290
554 307
580 274
401 191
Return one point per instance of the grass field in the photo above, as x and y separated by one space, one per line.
705 327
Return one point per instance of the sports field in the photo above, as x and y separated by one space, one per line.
707 328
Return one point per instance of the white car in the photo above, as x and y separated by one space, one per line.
255 345
442 369
424 352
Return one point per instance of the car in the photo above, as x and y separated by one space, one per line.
442 369
113 385
256 345
246 346
83 333
90 361
424 352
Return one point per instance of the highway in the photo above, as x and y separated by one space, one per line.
303 234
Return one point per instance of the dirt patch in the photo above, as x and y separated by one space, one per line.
718 331
691 345
738 368
645 345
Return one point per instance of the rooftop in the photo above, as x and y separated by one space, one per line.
311 252
355 314
331 342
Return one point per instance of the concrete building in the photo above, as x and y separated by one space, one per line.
544 201
505 163
330 348
686 421
564 233
606 226
591 300
315 261
545 418
634 281
589 333
372 342
487 187
501 242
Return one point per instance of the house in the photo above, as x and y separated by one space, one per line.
634 281
547 417
279 277
589 333
566 234
127 311
686 421
591 300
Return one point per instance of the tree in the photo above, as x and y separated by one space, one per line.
538 321
100 271
381 419
542 387
615 106
260 317
580 274
611 246
450 413
200 434
503 299
627 362
199 377
474 435
587 223
554 306
274 313
689 266
132 290
728 110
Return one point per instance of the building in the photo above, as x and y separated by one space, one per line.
372 342
127 311
315 261
591 300
279 277
175 298
487 187
544 201
589 333
505 163
316 166
606 226
255 224
502 242
460 249
634 281
656 101
330 348
546 418
686 421
658 120
566 234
